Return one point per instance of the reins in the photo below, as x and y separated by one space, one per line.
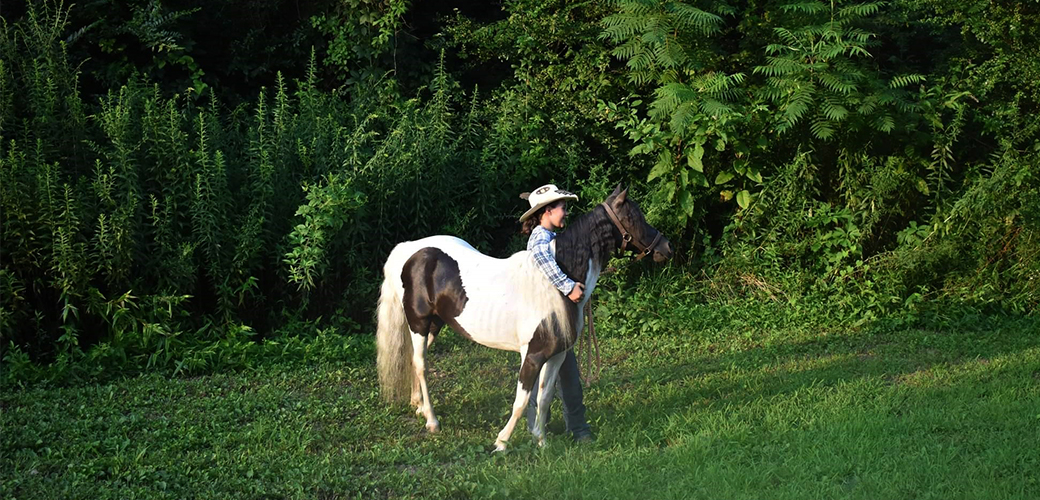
588 342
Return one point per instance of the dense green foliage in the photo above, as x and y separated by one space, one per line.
182 192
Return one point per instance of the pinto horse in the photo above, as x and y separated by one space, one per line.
505 304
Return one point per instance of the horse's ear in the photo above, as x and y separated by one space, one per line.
620 199
617 190
524 196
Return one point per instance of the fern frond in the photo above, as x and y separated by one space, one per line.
787 36
822 128
724 9
640 61
627 50
692 17
682 118
622 26
834 111
799 102
76 35
830 51
655 36
884 123
641 7
904 80
776 48
848 71
867 106
859 35
641 77
854 50
719 85
805 7
836 84
674 54
662 57
669 97
772 91
780 66
860 10
715 108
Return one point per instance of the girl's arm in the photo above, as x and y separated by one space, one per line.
546 261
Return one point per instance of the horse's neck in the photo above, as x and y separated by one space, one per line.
588 241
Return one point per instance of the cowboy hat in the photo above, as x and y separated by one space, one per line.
543 196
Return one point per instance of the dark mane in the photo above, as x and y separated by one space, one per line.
591 236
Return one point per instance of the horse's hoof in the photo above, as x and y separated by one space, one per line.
500 446
418 411
539 439
433 427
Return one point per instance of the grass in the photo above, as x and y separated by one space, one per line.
696 401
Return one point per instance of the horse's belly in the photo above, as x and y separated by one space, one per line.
489 326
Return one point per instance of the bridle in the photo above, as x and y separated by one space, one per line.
626 235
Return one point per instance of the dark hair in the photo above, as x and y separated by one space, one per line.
536 218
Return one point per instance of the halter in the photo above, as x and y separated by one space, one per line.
626 236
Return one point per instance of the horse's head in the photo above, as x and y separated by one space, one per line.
635 232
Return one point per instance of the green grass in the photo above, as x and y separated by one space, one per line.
707 402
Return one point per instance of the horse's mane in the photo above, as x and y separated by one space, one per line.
591 236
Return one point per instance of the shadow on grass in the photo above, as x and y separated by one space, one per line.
742 377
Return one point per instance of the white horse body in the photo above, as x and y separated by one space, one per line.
508 297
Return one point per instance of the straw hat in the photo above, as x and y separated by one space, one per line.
544 196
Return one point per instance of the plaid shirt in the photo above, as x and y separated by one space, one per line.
538 244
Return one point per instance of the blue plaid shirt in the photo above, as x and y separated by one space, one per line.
538 244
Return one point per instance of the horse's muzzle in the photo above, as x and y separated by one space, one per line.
663 250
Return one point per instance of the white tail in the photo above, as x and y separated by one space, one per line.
393 341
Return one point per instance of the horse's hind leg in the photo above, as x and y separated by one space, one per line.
419 362
417 395
546 386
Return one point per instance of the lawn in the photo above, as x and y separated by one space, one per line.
708 402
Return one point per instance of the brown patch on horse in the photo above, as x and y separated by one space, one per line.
433 292
553 336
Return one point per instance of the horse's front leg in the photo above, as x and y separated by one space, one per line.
546 389
528 374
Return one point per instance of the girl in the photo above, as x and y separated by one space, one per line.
547 213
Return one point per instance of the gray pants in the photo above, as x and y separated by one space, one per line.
568 387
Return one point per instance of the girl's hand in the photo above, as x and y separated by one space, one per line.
576 292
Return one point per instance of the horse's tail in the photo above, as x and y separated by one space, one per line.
393 339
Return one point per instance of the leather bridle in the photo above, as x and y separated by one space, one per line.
626 235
